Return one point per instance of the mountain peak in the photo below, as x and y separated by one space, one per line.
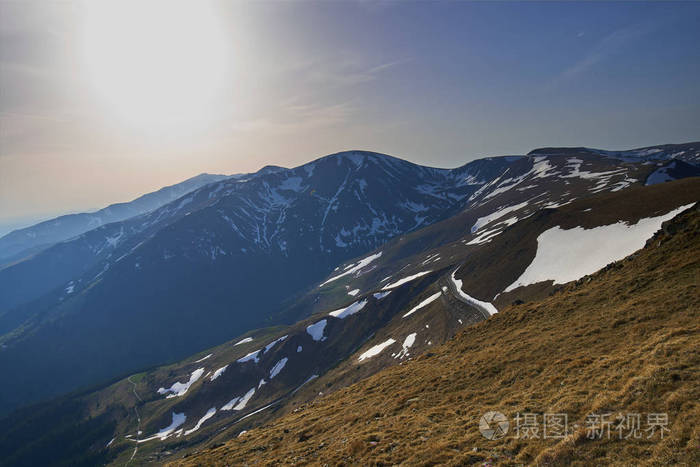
359 158
206 176
270 169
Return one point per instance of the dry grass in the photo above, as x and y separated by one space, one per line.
627 340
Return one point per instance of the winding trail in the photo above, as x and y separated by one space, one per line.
138 418
477 314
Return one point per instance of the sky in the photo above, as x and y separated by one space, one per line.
103 101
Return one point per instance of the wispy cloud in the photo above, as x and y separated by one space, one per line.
348 72
296 117
604 49
325 81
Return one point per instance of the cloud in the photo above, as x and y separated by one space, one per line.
295 117
321 77
337 73
605 48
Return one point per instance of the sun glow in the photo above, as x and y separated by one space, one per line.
158 64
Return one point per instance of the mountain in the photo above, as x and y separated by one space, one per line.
686 152
529 186
24 242
251 252
386 309
219 261
624 341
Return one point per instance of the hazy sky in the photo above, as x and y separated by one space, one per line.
102 102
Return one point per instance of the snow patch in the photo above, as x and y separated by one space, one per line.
360 264
203 358
229 405
244 400
178 389
178 419
567 255
113 241
316 330
425 302
311 378
376 349
239 403
218 372
405 279
278 367
210 413
354 292
251 356
349 310
430 258
380 295
485 236
482 221
244 341
541 168
407 344
273 343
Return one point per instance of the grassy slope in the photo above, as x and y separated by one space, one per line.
626 340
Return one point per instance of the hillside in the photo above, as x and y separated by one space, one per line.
624 340
382 310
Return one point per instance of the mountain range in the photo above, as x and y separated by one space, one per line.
21 243
252 296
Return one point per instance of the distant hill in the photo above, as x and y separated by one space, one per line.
23 242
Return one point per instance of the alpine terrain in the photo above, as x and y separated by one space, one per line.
363 309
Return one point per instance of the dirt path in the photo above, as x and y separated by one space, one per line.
456 300
138 418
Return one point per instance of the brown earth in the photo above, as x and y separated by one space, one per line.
625 340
